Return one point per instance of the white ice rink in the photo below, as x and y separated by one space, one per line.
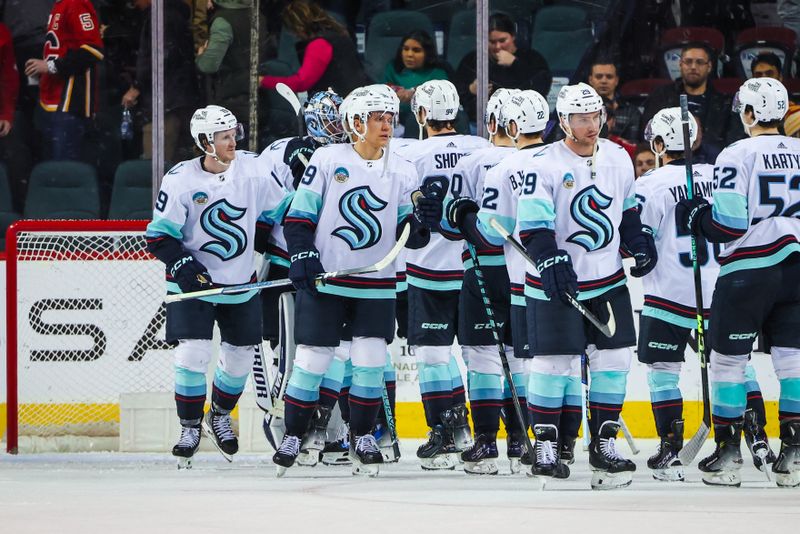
119 493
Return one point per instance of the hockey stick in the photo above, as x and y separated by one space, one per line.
607 329
585 400
291 98
258 286
487 306
628 436
690 449
387 411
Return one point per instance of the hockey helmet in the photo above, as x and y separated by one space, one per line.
667 125
363 101
494 108
438 98
212 119
528 110
767 96
575 99
323 119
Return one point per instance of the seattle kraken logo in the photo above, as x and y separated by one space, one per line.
356 206
587 210
217 221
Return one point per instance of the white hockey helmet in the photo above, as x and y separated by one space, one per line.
494 108
667 125
528 110
767 96
575 99
363 101
438 98
209 120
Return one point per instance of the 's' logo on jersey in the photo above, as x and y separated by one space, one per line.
217 221
356 206
587 210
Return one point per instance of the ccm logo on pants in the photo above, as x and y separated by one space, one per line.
661 346
746 335
435 326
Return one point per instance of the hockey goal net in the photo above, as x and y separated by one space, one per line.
85 319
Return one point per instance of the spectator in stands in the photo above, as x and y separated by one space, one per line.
199 22
610 126
414 64
226 58
509 66
327 53
68 76
9 82
767 64
604 78
710 107
180 80
643 159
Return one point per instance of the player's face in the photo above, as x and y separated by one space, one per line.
379 128
643 162
604 79
413 54
225 144
501 41
695 67
585 126
762 70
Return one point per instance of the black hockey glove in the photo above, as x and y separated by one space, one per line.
643 250
189 274
297 155
458 208
558 276
304 269
688 213
427 210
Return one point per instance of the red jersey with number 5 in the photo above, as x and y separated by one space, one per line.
73 42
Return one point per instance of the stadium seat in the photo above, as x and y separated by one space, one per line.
384 34
753 41
637 91
460 37
727 86
673 39
7 213
132 195
440 12
62 190
562 34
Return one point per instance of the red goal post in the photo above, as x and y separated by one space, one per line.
84 324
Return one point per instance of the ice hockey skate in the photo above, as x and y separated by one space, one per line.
286 454
723 467
456 421
665 464
566 450
390 448
481 458
757 443
438 452
365 455
516 451
187 445
314 441
337 452
787 467
217 426
609 469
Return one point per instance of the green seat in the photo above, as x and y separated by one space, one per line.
132 195
62 190
563 35
384 36
460 37
559 19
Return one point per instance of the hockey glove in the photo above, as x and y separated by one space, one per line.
189 274
688 213
304 269
458 209
558 276
643 250
297 155
428 211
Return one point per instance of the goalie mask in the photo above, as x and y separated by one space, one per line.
323 119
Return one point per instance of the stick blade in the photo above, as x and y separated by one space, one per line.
611 326
693 446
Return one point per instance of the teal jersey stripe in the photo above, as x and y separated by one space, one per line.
730 209
358 293
629 203
671 318
538 294
535 213
449 285
487 230
275 215
759 263
306 205
160 226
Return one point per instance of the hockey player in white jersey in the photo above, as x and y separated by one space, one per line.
204 227
755 209
348 209
434 275
576 208
523 114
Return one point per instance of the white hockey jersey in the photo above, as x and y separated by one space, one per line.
669 288
214 216
471 171
355 208
757 190
272 164
401 144
438 265
501 190
559 193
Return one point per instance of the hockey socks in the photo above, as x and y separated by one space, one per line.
435 384
606 395
344 393
789 400
755 401
546 398
571 410
226 390
510 411
365 398
331 384
190 395
302 395
459 393
485 401
390 381
666 400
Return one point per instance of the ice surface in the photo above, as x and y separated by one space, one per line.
145 493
